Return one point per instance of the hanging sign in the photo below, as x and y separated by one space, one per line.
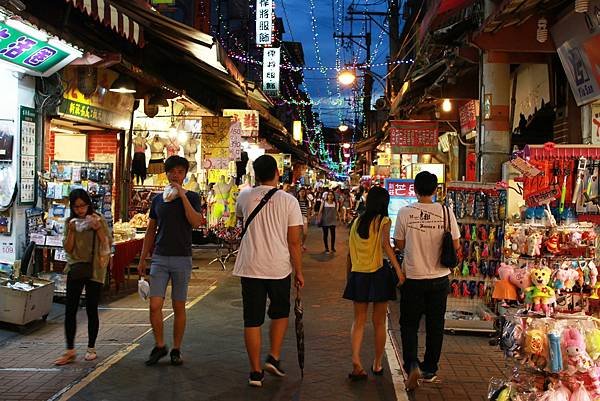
28 148
216 142
235 140
468 117
248 118
271 58
31 50
264 22
407 136
524 167
577 38
297 131
402 193
543 196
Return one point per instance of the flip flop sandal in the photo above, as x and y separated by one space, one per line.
65 359
90 355
377 372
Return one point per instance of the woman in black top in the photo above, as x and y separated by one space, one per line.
306 212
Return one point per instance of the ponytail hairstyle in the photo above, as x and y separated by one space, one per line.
377 203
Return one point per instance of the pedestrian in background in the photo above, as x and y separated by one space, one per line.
270 250
306 212
419 230
87 241
327 220
169 233
370 278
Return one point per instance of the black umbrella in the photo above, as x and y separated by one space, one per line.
299 311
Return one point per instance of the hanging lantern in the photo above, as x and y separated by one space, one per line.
87 80
582 6
542 30
150 110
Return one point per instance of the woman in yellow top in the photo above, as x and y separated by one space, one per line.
370 279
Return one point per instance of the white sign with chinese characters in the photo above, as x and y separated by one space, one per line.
271 58
264 22
248 118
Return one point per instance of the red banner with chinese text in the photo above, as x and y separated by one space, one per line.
413 137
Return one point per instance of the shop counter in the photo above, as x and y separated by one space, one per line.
125 253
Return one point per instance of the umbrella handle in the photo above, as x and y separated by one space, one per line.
298 291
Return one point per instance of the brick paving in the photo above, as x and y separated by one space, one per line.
215 361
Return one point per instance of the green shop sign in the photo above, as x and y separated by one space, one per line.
91 113
25 48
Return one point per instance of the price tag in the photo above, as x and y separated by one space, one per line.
38 239
54 240
60 255
524 167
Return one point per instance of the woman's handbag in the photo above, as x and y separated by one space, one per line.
449 258
84 270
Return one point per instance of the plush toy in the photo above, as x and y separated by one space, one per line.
592 342
593 273
534 243
522 279
540 293
536 348
552 243
572 275
577 358
504 289
580 394
560 277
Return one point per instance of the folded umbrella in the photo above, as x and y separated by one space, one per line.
299 312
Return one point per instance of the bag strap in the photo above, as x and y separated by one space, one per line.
262 203
446 210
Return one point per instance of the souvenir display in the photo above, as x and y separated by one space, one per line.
480 211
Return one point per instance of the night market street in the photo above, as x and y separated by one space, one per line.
215 366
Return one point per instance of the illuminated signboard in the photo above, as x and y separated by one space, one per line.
32 51
264 22
271 58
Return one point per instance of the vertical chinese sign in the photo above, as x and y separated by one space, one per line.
413 137
27 168
264 22
468 117
271 58
216 145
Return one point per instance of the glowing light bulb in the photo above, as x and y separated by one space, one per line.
343 127
346 77
446 105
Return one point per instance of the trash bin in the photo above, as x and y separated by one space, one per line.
22 304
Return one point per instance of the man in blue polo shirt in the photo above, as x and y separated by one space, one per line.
170 233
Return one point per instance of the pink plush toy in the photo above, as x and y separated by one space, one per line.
504 289
522 279
576 355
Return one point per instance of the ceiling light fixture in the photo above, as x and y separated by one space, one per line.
123 84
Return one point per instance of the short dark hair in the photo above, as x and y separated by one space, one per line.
80 193
176 161
425 183
265 168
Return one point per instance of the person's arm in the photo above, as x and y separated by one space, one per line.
320 214
389 251
69 242
101 229
193 216
147 246
294 240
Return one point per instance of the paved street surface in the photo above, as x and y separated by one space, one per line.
215 365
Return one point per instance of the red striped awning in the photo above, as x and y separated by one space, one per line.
112 17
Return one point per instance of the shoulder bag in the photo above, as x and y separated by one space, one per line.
449 258
84 270
262 203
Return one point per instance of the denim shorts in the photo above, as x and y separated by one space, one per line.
178 269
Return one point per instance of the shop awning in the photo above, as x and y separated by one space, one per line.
443 13
369 144
515 12
110 16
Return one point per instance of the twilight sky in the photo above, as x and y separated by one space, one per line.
333 103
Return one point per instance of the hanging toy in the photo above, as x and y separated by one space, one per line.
556 360
504 289
467 230
502 205
485 253
472 288
534 243
461 203
552 243
577 358
480 205
465 268
470 204
553 395
474 232
456 270
477 253
492 209
466 250
483 235
455 287
541 293
481 289
492 235
536 348
473 271
484 268
464 289
592 342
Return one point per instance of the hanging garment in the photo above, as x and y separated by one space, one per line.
138 167
156 166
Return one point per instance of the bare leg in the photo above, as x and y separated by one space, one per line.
358 329
379 315
178 323
252 338
277 334
156 320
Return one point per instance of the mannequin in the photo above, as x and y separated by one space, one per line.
157 158
172 146
192 184
250 171
190 149
210 202
138 165
222 190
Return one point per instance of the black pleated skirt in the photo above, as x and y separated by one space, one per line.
378 286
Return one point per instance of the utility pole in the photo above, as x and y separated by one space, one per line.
394 44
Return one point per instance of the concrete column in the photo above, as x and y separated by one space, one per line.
493 144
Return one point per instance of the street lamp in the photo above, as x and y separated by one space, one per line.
346 77
346 146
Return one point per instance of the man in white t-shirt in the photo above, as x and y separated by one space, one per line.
269 251
419 230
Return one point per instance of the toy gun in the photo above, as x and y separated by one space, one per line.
581 166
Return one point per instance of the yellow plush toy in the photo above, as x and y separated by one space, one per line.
540 292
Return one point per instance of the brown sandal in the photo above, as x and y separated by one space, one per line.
66 358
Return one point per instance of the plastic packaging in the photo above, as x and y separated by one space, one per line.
143 288
170 193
